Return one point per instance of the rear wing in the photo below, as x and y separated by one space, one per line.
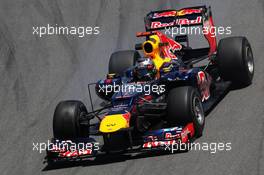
185 17
174 18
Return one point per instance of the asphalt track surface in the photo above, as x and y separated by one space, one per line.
36 73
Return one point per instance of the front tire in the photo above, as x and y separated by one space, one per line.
66 124
235 61
122 60
185 106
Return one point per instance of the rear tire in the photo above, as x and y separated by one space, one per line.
122 60
185 106
66 123
235 61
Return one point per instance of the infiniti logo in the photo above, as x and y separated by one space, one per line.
112 124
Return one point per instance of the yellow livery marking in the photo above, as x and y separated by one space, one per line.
113 123
155 54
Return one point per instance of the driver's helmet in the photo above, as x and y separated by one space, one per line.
145 69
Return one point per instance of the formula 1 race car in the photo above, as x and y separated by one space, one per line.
157 100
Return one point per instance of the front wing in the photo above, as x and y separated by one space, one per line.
162 139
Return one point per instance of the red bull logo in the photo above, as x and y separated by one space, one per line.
164 14
157 24
182 21
188 11
185 21
176 13
172 45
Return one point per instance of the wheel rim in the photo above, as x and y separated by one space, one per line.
249 59
198 110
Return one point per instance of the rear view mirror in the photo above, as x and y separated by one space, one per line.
138 46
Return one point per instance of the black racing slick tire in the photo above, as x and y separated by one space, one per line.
235 61
122 60
66 124
185 106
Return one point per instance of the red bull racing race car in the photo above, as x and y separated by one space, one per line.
156 98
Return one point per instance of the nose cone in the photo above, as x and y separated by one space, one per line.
113 123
